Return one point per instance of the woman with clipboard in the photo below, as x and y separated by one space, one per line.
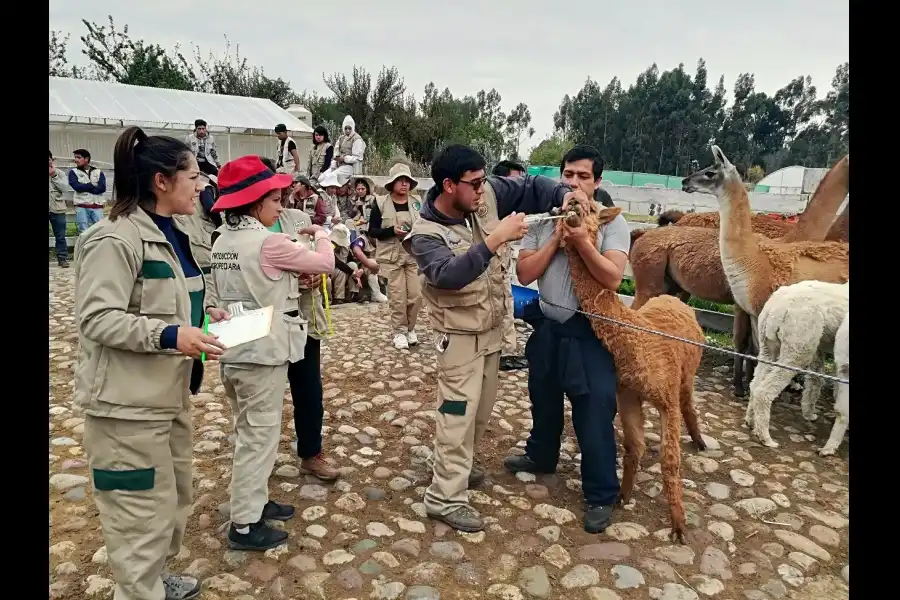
138 308
253 265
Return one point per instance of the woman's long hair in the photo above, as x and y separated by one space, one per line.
320 129
137 159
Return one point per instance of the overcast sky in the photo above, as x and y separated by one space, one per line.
527 49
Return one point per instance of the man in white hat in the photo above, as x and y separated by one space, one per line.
349 151
391 219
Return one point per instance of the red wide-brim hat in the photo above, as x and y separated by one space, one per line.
245 180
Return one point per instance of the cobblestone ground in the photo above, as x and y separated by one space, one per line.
764 524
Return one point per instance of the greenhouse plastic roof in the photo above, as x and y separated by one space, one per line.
104 103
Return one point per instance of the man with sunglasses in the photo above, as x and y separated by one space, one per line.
465 221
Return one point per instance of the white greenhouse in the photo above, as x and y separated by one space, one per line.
91 115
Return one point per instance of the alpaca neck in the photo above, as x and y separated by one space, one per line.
737 242
815 221
608 304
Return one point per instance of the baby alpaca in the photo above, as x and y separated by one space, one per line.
649 367
841 390
797 326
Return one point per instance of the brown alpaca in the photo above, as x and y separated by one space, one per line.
840 229
756 267
649 367
685 261
770 227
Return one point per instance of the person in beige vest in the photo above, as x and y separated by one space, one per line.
321 154
340 281
138 306
287 158
391 218
349 151
466 219
252 265
509 359
363 187
57 214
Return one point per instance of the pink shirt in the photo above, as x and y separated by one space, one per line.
280 254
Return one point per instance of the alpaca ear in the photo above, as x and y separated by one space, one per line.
608 214
719 157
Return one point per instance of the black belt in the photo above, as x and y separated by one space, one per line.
292 313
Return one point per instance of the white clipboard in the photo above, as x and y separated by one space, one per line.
249 326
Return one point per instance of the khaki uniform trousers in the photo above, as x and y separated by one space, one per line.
339 279
404 292
256 396
467 376
510 344
143 491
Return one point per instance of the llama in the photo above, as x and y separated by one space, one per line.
648 367
755 266
685 260
841 390
797 327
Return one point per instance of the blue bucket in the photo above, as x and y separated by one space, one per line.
522 296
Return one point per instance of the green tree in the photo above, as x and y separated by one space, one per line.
232 75
518 123
550 150
114 56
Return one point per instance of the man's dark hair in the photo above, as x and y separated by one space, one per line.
280 127
452 162
199 123
270 164
504 167
582 152
82 153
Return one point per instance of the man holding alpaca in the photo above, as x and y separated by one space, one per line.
457 243
564 356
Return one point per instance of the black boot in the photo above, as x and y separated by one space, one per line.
260 537
277 512
597 518
517 463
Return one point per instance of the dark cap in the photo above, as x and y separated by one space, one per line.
298 178
280 127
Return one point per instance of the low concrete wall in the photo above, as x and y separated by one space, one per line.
637 200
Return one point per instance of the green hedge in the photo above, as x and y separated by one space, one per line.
627 288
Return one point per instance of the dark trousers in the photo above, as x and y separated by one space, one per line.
567 358
305 380
208 168
58 224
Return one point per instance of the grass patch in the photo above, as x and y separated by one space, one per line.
627 288
719 339
71 230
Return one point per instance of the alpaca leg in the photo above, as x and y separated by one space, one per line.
752 350
632 417
812 387
671 465
765 387
689 413
842 408
741 336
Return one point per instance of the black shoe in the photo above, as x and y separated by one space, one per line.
597 518
277 512
476 477
64 264
513 363
517 463
260 537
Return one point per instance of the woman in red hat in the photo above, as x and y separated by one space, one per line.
258 267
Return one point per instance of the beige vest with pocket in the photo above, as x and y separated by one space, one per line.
287 159
317 158
121 371
86 197
481 305
239 278
389 250
310 298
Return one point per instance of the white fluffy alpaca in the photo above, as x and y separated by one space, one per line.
797 326
841 390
